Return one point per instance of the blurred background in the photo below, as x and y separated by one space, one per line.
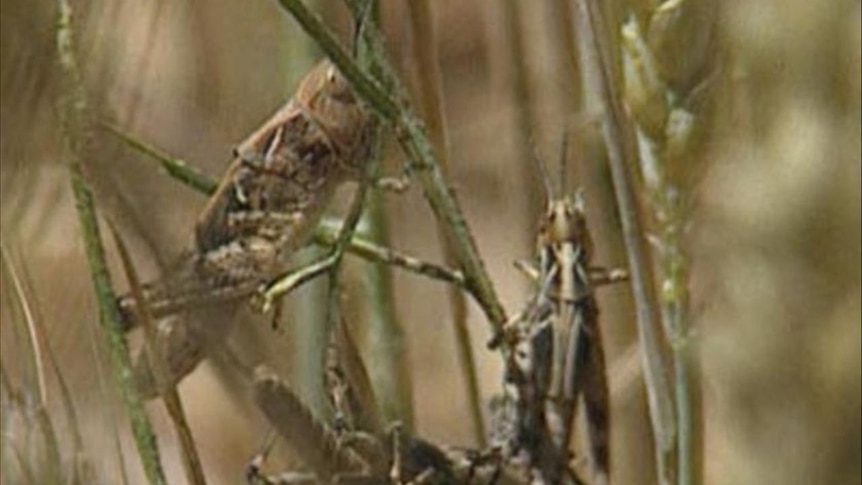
773 229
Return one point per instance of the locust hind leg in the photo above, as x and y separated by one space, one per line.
594 388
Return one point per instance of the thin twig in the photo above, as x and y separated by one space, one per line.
326 232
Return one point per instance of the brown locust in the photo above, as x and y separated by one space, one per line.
268 201
558 355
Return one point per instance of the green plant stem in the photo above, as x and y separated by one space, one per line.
389 369
109 318
175 167
77 130
412 135
675 319
597 68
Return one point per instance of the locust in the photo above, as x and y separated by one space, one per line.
265 207
558 355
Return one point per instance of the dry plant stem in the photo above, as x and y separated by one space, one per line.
425 50
34 408
686 383
596 68
77 130
32 344
158 364
416 143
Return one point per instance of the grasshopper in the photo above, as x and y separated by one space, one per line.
558 355
264 208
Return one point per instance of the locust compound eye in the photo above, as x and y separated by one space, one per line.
331 75
339 89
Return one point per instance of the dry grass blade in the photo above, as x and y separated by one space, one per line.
81 468
35 354
36 446
155 353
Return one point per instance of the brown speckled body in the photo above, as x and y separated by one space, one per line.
270 198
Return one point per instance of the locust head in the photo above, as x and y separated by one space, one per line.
328 97
565 221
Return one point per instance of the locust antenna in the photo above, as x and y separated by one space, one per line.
550 193
564 149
